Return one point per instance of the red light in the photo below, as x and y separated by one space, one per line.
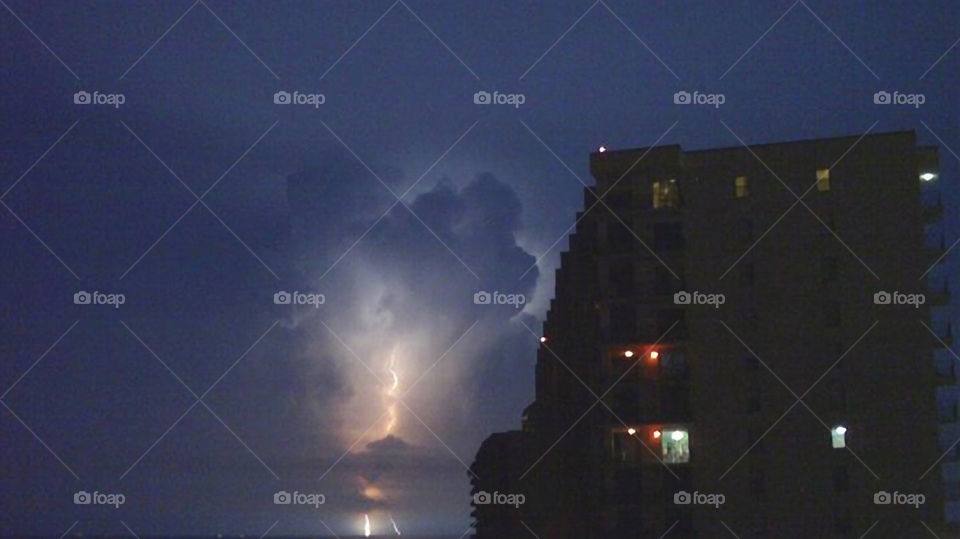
657 434
654 354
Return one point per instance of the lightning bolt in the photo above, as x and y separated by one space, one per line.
366 525
395 527
392 394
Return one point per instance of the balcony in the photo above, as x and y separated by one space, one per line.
938 294
943 337
934 212
946 372
937 251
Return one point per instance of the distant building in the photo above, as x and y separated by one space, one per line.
698 302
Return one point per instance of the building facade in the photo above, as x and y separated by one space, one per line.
740 342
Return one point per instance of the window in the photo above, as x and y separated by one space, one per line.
745 230
746 274
619 237
841 479
675 401
665 194
673 364
625 448
668 236
844 523
828 268
836 394
664 283
755 441
676 446
674 321
751 318
754 402
621 279
951 491
623 322
838 437
757 483
741 187
823 179
619 202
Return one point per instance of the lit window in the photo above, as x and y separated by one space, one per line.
665 194
823 179
676 446
741 187
838 437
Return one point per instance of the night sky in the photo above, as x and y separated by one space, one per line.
398 198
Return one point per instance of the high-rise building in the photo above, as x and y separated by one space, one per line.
740 343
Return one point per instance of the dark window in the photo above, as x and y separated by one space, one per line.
673 365
668 236
675 318
626 404
753 400
675 403
751 317
828 269
745 230
625 448
837 394
951 491
623 322
619 238
757 487
664 283
831 314
746 274
841 479
753 437
618 202
844 524
621 279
